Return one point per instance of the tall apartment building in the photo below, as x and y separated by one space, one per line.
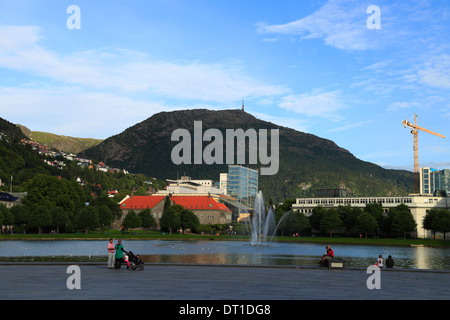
433 181
241 183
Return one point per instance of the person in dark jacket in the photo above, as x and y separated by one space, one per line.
389 262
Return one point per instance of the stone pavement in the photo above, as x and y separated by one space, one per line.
28 281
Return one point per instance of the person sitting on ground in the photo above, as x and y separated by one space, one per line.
328 256
379 263
389 262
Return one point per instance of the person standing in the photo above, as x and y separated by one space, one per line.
118 255
111 250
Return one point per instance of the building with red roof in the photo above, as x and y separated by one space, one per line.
206 208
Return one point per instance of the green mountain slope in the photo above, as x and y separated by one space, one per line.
60 142
307 162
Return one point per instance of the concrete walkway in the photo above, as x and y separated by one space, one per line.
217 282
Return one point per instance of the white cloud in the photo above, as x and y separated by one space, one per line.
395 106
341 24
317 104
294 123
130 72
72 112
436 72
351 126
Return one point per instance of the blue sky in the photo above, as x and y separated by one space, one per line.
313 66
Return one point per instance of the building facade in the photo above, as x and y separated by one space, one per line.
242 183
186 185
205 207
419 205
433 181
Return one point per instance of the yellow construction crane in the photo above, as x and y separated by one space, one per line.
415 131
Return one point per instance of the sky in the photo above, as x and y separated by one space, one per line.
343 70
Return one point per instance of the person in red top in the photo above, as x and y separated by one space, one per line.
111 250
328 256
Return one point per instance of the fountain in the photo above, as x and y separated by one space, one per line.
262 224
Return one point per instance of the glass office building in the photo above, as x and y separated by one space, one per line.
433 181
242 183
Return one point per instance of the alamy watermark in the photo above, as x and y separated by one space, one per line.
374 21
74 280
374 281
74 20
213 153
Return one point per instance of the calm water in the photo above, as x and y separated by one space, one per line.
225 252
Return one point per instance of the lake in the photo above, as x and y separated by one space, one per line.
224 252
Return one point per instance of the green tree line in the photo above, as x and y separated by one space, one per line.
353 221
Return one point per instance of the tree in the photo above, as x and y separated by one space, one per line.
349 217
104 200
294 222
167 203
402 220
376 210
131 220
147 219
188 220
282 209
3 209
366 223
21 216
330 221
8 217
170 219
39 218
88 219
428 222
437 220
316 217
105 217
48 191
59 217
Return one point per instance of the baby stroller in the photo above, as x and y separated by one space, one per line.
135 261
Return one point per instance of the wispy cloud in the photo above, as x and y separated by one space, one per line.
436 72
351 126
316 103
129 71
340 23
70 111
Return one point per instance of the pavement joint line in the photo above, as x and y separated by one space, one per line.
251 266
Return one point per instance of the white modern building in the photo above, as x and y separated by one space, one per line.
187 186
418 204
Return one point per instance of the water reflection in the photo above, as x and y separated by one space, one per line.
223 252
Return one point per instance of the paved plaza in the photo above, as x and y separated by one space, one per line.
217 282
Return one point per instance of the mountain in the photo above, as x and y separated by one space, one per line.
59 142
307 162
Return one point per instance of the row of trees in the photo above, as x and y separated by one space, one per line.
60 217
371 219
437 220
176 217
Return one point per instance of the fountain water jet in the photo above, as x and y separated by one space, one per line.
262 223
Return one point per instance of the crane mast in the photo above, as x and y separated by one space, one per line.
415 132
